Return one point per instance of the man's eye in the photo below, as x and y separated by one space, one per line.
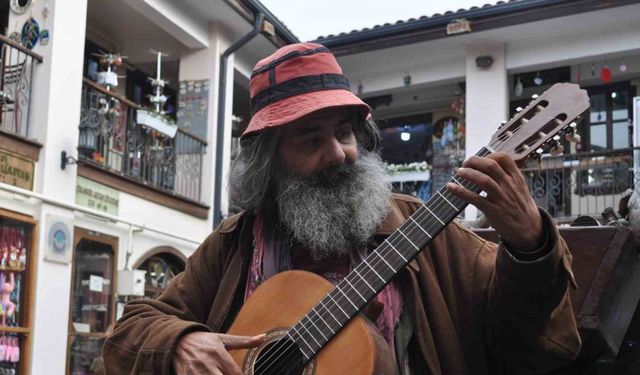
344 134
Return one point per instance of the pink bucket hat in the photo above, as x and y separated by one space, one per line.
295 81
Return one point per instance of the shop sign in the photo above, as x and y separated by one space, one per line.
16 170
97 196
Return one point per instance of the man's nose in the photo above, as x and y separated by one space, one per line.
334 153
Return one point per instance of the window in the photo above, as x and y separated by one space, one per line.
92 301
608 124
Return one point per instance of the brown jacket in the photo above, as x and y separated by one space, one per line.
474 307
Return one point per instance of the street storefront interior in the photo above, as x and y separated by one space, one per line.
17 251
92 306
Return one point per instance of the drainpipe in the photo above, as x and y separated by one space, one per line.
257 26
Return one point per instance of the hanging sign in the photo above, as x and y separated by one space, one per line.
97 196
16 170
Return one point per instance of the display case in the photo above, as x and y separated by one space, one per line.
17 254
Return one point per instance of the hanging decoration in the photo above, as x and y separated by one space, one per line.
155 119
593 70
578 74
605 74
45 35
623 66
30 33
20 6
517 90
538 80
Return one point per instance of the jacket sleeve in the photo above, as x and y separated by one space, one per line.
144 338
530 326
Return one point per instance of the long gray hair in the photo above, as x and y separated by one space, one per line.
256 165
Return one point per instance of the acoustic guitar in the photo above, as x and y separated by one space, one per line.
314 327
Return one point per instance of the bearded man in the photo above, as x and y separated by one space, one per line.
315 196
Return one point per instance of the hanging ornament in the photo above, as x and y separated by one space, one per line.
605 74
623 66
593 70
538 80
517 90
30 33
44 33
578 74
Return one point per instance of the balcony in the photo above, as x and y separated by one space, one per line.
111 140
16 78
572 185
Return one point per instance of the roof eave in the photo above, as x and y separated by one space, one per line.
482 19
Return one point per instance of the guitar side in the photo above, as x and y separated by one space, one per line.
283 300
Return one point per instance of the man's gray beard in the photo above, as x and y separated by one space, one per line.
335 210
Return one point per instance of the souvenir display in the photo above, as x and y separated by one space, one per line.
44 32
30 33
10 344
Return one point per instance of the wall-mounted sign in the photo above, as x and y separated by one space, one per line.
59 239
16 170
97 196
193 100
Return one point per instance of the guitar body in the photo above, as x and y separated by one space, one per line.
282 301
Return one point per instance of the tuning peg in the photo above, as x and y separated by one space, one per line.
573 137
558 150
518 109
535 96
503 122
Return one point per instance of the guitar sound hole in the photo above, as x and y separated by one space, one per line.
282 357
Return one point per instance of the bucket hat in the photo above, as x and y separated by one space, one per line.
295 81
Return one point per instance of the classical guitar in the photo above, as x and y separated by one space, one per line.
314 327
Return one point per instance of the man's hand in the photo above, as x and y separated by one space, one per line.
508 204
206 353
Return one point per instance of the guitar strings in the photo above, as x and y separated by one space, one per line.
438 206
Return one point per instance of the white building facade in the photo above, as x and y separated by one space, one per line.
90 190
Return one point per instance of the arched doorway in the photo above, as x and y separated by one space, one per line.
162 264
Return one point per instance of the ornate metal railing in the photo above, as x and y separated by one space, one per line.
111 139
16 78
583 183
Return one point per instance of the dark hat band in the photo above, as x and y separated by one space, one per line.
297 86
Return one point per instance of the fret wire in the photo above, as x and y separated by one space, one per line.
303 340
356 290
338 305
456 181
317 329
421 228
396 250
453 198
330 313
374 271
385 261
324 321
434 215
345 296
407 238
363 279
445 198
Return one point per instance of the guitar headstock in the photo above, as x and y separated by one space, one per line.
539 126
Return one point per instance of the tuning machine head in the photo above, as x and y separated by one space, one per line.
571 133
556 147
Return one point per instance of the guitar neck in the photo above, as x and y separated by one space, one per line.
366 280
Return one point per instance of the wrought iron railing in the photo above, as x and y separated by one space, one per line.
16 79
571 185
111 139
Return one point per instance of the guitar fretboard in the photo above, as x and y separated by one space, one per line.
366 280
